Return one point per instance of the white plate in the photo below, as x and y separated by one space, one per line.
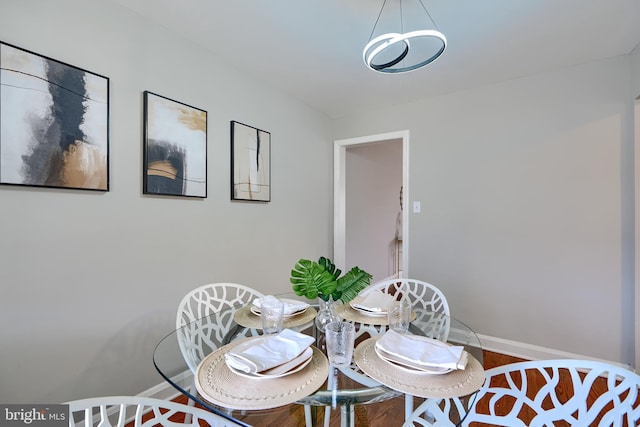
370 313
413 369
255 309
291 367
356 304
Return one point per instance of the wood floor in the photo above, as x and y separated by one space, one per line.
383 414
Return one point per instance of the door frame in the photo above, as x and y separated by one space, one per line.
339 193
636 310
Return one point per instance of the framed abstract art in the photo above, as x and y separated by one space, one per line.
54 123
175 148
250 163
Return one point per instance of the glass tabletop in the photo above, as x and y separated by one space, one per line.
180 354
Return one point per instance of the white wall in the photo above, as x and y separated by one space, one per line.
89 282
520 185
373 181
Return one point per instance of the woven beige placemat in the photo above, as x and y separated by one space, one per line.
217 384
454 384
349 313
245 317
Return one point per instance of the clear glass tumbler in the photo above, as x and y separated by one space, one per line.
340 338
272 314
399 315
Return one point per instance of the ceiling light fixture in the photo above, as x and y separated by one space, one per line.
400 52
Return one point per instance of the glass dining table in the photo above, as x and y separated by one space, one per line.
191 359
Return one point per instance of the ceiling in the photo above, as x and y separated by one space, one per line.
313 50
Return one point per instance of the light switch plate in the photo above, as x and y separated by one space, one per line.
416 207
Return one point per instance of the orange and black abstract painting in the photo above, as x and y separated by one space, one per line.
175 148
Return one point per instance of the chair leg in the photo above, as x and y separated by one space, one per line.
327 415
408 406
308 417
352 416
190 402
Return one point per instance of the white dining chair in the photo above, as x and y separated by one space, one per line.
427 297
138 411
197 339
432 317
543 393
211 298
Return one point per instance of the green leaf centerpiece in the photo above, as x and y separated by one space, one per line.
322 280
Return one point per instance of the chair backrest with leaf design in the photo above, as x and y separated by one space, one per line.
434 310
138 411
544 393
197 339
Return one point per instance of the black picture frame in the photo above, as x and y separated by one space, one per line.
54 123
250 163
175 148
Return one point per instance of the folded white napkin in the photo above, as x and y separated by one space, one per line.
290 306
420 352
373 301
264 353
296 362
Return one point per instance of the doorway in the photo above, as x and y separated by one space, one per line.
391 258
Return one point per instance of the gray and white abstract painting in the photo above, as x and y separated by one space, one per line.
54 123
250 163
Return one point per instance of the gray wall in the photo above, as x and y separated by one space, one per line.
89 282
521 185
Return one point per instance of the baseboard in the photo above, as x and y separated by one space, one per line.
533 352
166 391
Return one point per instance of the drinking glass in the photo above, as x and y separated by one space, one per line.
340 338
272 314
399 315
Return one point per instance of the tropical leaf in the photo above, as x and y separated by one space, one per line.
349 285
321 280
329 266
312 280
